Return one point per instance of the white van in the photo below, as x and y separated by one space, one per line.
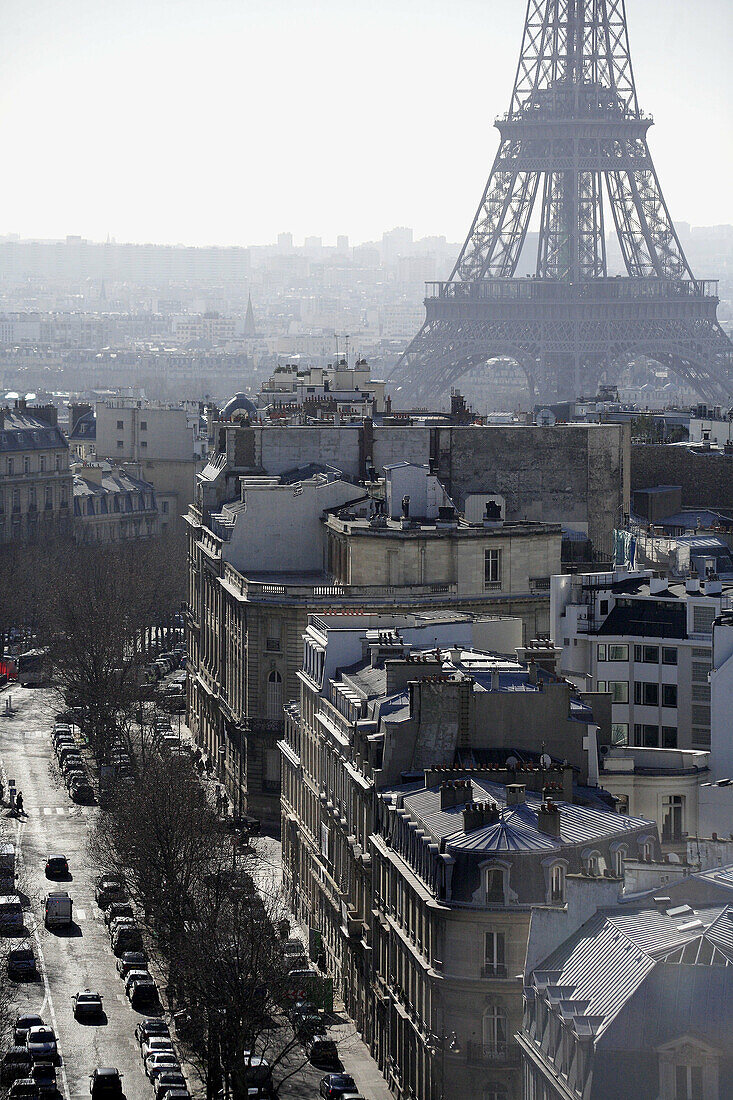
11 913
58 909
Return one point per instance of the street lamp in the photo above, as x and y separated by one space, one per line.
454 1047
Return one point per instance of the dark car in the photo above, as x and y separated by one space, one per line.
322 1052
24 1088
109 890
150 1026
336 1085
15 1063
105 1081
68 752
44 1075
166 1082
143 992
21 962
82 791
23 1024
127 938
134 960
118 909
56 865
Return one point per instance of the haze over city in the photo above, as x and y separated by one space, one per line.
226 122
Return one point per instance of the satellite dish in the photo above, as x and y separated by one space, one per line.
605 749
545 760
511 762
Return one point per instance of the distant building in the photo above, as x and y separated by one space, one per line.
36 492
110 505
336 393
431 847
638 1002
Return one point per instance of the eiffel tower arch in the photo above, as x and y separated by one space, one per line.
574 141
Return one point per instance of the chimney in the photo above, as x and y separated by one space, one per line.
455 792
658 584
713 587
692 584
516 794
478 814
548 819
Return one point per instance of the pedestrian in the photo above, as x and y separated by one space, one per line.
19 802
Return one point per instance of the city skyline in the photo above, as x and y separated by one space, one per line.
261 140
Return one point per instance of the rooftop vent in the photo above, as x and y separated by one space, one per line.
516 794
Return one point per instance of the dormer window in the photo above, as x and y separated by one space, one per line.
688 1083
495 886
557 883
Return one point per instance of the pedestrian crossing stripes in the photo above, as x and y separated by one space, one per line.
60 811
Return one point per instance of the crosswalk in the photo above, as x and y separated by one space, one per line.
60 811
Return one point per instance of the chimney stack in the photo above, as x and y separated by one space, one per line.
478 814
516 794
455 792
548 819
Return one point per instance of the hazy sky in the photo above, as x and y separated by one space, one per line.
226 121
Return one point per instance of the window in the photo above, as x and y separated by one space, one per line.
669 655
557 883
26 464
688 1083
673 817
495 1030
646 735
120 425
702 619
120 444
164 507
602 686
593 863
619 691
618 653
646 694
669 737
10 466
619 733
618 861
495 886
48 501
492 568
16 500
494 957
143 425
274 695
602 652
144 444
647 848
42 464
603 607
58 463
651 654
669 695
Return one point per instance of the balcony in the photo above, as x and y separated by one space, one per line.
492 1054
493 970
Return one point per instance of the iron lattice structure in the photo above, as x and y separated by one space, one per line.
574 124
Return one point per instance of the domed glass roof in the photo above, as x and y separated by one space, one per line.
240 402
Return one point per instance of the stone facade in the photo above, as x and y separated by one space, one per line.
36 485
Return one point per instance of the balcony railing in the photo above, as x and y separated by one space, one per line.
493 970
555 290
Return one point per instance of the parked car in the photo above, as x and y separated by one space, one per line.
118 909
86 1004
40 1042
24 1088
68 752
334 1086
156 1044
15 1063
128 938
109 890
58 909
56 865
143 992
150 1026
23 1024
136 960
82 791
12 920
161 1061
22 962
322 1052
168 1081
105 1081
43 1073
138 975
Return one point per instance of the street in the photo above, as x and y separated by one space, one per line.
70 961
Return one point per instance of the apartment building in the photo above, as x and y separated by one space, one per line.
36 485
112 506
648 641
164 443
264 552
429 845
336 391
638 1002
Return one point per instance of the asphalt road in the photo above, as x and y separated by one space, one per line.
81 957
75 960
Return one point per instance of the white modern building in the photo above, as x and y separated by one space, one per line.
647 641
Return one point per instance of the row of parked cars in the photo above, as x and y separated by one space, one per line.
29 1067
71 763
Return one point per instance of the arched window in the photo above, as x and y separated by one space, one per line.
494 1030
647 848
495 1092
592 862
495 886
557 883
274 695
618 860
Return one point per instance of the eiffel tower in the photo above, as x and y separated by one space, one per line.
574 123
